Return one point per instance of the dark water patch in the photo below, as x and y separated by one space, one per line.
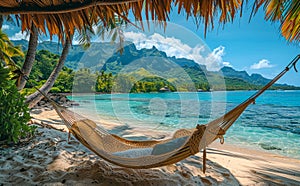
286 128
295 122
203 116
104 99
268 146
248 117
272 113
84 101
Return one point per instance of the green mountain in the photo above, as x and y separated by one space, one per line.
184 74
96 55
255 79
136 62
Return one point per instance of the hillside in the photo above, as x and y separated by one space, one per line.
185 74
255 79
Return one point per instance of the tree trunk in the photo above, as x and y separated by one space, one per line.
34 98
1 21
30 56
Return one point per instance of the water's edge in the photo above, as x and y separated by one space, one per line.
272 124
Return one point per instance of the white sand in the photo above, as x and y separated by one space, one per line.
48 159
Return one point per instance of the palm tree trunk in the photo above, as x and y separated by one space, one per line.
36 96
30 56
1 21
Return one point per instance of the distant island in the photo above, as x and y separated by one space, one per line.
144 70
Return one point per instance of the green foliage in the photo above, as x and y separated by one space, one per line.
111 80
107 83
8 50
84 81
45 62
151 84
104 82
122 83
239 84
55 90
14 112
31 90
64 81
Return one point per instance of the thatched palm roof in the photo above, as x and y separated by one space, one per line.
61 17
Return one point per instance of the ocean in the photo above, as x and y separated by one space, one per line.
271 124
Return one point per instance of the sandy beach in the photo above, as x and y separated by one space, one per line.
48 159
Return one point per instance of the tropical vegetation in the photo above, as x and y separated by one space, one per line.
8 51
30 56
46 87
68 17
144 78
44 64
14 112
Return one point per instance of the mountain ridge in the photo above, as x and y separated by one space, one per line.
101 59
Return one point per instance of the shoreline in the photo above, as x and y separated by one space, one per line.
103 93
137 131
49 159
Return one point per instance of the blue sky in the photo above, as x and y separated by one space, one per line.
256 47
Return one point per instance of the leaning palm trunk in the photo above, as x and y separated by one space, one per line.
30 56
36 96
1 21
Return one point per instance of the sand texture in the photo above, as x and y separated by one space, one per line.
48 159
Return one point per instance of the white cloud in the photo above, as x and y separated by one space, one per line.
135 37
214 59
264 63
175 47
227 64
20 35
95 28
75 42
5 27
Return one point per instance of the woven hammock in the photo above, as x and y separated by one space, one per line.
150 154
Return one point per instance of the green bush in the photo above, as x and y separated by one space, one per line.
28 91
14 113
55 90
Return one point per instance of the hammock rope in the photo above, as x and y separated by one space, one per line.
154 153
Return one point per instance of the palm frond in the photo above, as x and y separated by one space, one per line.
84 37
287 12
8 50
61 17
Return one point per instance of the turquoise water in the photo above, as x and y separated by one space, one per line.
272 124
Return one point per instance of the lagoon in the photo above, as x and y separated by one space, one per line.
272 124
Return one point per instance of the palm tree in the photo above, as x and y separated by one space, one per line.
36 96
8 50
7 18
113 29
287 12
1 21
30 56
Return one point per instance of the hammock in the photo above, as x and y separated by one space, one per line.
154 153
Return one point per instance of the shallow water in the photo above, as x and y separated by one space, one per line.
272 124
